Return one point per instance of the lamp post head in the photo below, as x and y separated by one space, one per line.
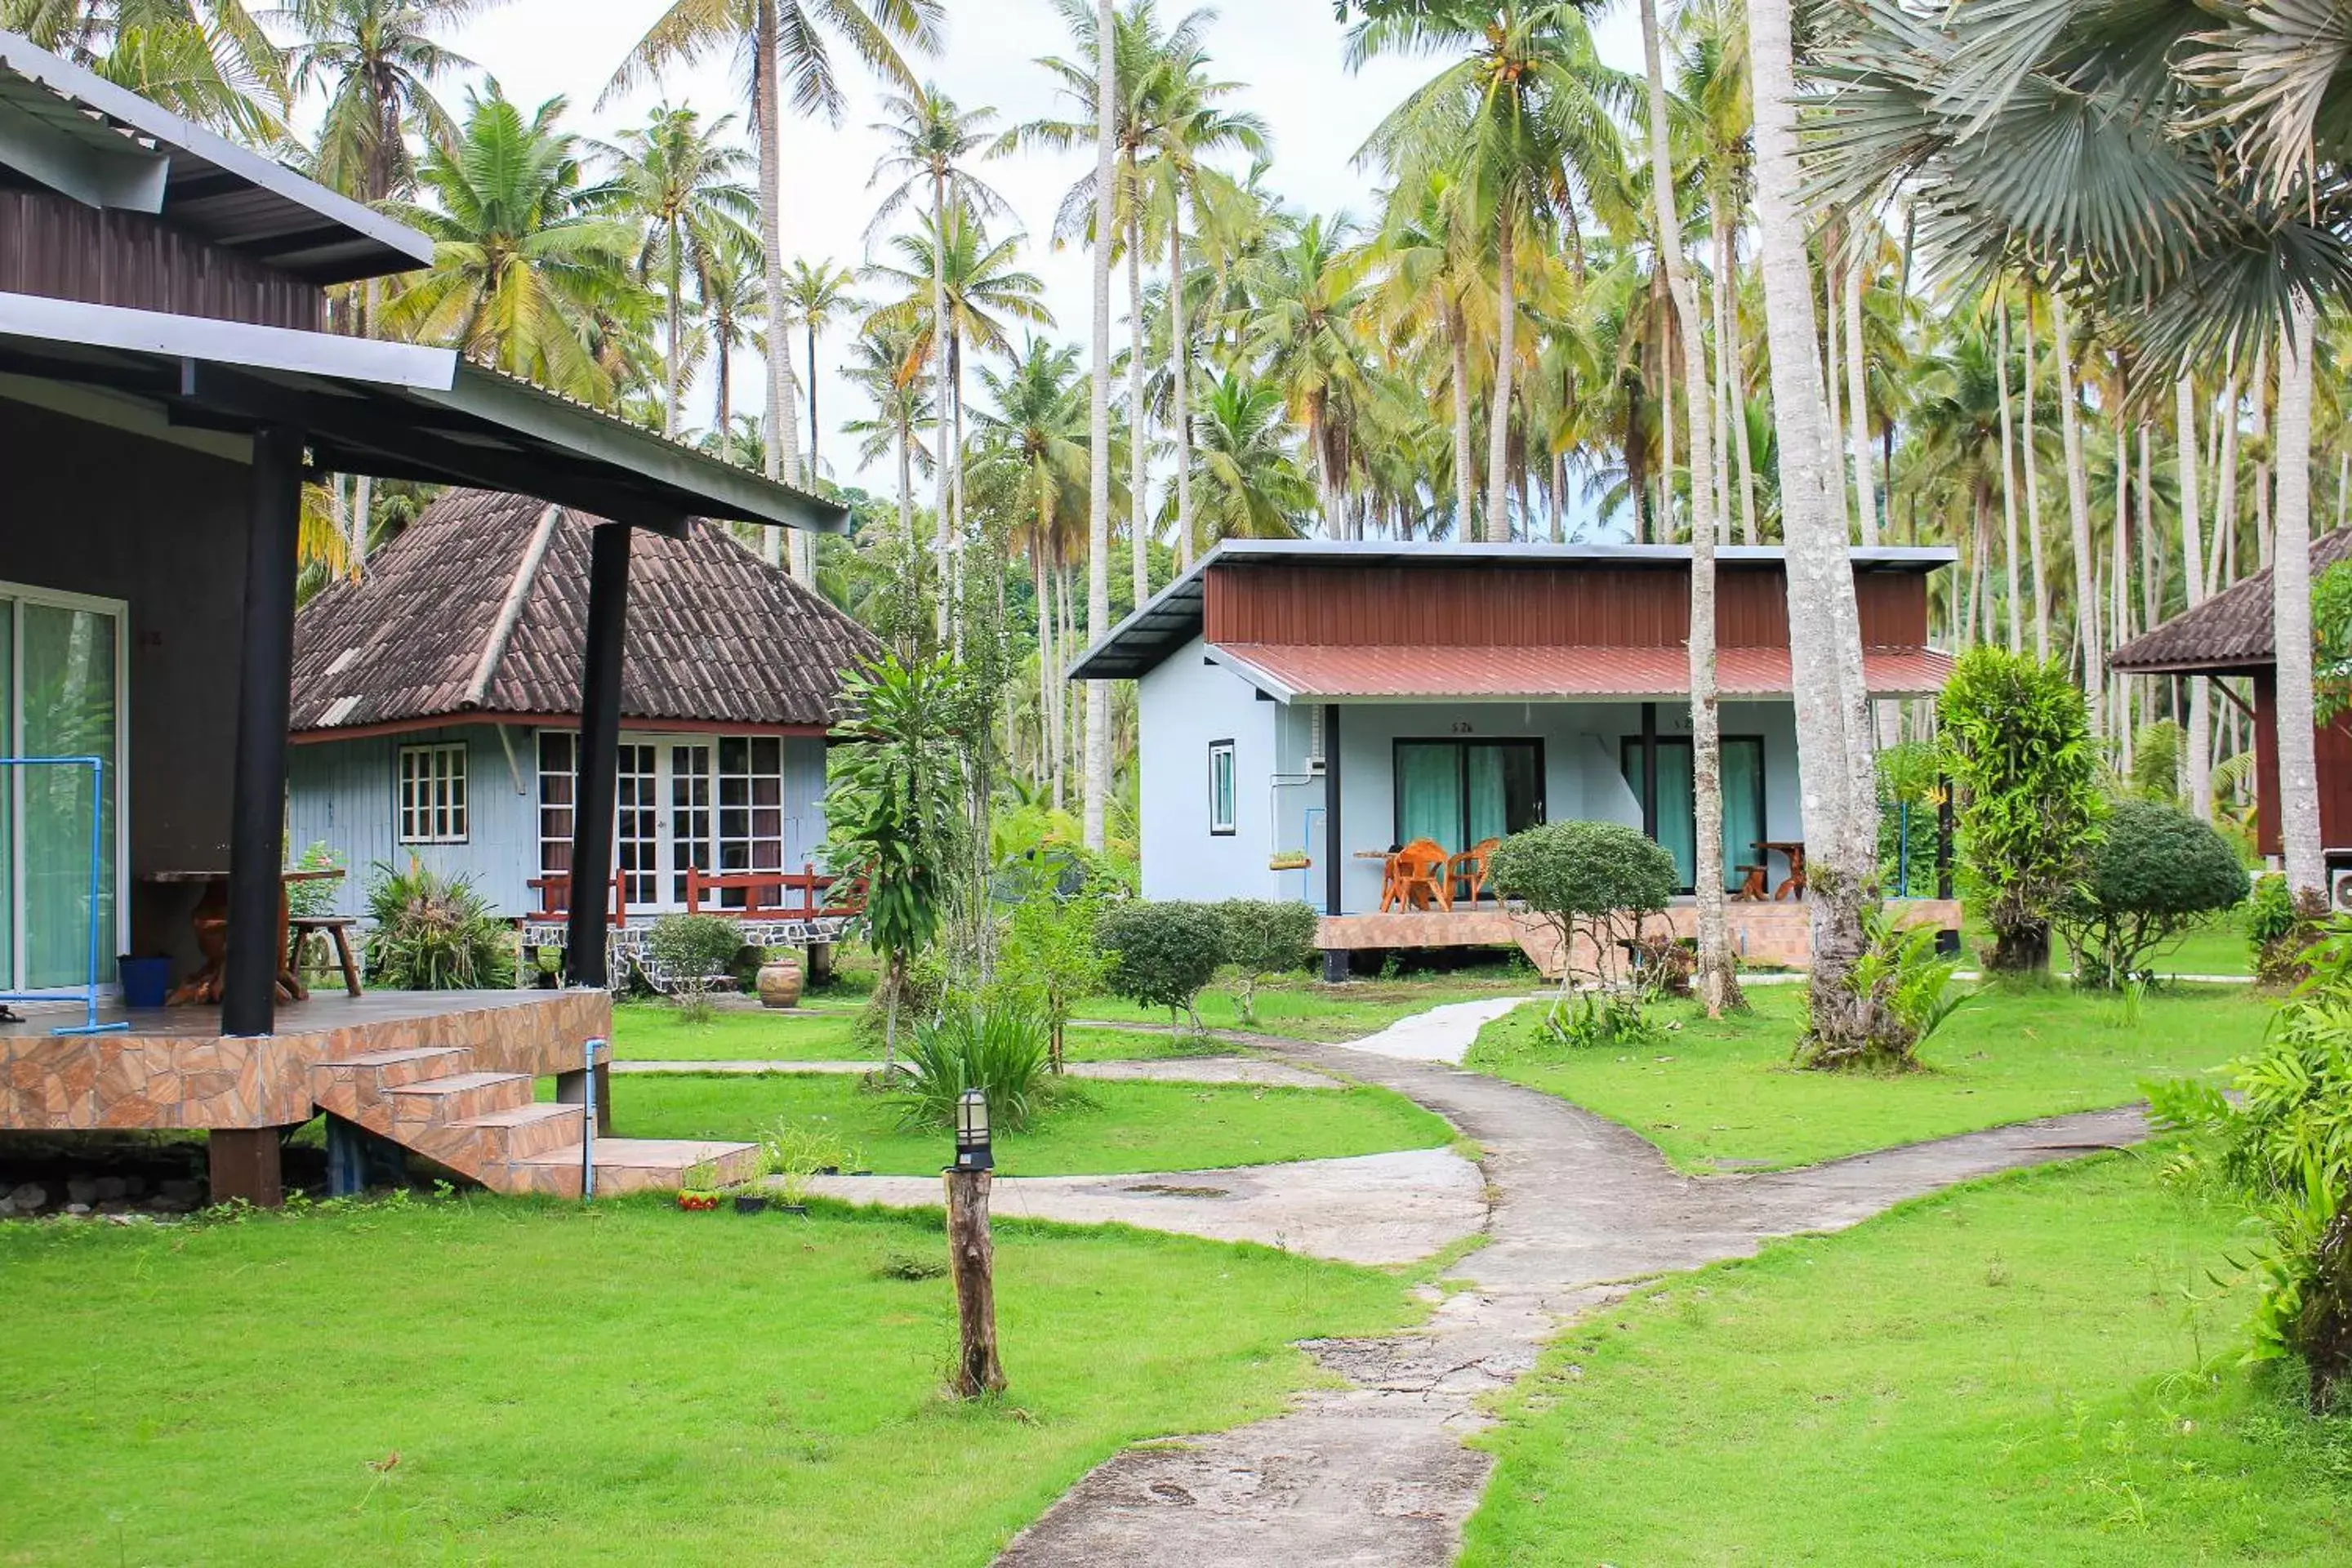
972 1145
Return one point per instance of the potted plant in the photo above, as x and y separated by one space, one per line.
794 1154
750 1203
699 1191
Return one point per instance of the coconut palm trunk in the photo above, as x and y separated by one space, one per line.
783 454
2220 570
943 516
2033 497
2008 474
2298 767
2078 509
1726 252
1180 369
1840 828
2192 562
1857 400
1499 412
1465 461
1139 455
1098 710
673 356
1717 986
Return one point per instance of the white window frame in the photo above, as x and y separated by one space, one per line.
1222 751
445 814
120 774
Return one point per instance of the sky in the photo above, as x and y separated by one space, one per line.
1288 53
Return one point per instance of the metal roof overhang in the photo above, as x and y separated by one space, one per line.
1370 675
1177 614
66 128
392 410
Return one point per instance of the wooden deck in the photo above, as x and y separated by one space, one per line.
1766 936
174 1068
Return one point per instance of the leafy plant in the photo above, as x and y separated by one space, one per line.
1051 960
688 951
999 1049
2156 872
1264 937
1591 1019
1594 880
893 797
1906 989
1162 953
794 1151
2285 1146
2017 744
431 933
2281 928
314 900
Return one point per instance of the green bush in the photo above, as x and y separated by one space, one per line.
2156 872
2280 928
1162 953
1265 937
1051 960
2017 744
686 952
431 933
999 1050
2286 1149
1600 880
1591 1020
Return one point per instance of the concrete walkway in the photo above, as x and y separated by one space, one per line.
1374 1474
1375 1209
1157 1070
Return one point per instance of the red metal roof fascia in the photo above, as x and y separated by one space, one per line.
1293 672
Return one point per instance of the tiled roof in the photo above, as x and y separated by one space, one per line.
2230 631
1502 674
714 634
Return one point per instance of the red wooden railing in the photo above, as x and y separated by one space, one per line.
555 897
818 895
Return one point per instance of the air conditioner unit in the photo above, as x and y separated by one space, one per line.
2340 892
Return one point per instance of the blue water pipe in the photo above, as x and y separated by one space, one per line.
588 1128
90 1025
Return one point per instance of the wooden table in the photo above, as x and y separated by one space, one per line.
210 921
1794 851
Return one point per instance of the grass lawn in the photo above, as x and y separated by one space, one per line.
653 1032
1723 1095
498 1381
2216 947
2005 1375
1106 1129
1299 1009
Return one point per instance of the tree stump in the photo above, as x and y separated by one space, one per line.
972 1263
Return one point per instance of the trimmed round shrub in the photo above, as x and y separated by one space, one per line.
1599 880
2154 873
693 950
1263 936
1162 953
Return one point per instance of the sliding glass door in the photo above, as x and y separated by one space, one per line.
1743 802
60 659
1461 792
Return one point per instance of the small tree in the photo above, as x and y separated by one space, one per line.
2016 743
688 951
894 797
1598 880
1264 937
1052 960
1161 954
2156 872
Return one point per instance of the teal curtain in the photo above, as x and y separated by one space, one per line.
68 709
1490 811
1743 806
8 796
1429 794
1678 812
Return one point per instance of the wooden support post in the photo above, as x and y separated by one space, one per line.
596 784
265 699
243 1164
1335 862
971 1263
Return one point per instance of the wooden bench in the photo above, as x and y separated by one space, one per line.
336 929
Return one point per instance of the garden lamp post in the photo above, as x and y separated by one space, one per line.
972 1256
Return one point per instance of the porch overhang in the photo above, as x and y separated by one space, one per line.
1289 672
390 410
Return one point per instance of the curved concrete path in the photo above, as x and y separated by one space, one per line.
1374 1474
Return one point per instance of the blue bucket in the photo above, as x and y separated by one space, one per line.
145 981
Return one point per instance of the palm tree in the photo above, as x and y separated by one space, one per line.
1303 332
930 141
819 295
377 62
1249 479
1427 257
732 305
1525 116
209 60
1097 769
673 175
526 261
884 361
776 42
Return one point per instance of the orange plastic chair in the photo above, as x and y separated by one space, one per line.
1421 879
1469 868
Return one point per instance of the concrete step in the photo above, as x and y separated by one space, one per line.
461 1097
636 1166
522 1131
341 1083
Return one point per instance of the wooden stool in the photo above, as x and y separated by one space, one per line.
336 929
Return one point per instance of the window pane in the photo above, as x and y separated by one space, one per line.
69 711
1429 792
767 755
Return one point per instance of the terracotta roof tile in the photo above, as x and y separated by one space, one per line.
1491 674
715 634
2229 631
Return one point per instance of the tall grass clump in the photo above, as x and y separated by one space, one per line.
1000 1050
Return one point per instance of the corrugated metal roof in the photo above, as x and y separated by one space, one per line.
2229 633
715 634
1304 673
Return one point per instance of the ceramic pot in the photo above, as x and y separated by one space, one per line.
779 982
